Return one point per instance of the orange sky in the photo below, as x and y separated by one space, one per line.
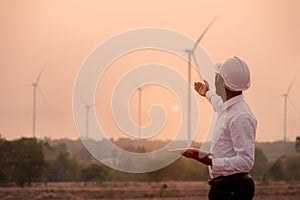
60 34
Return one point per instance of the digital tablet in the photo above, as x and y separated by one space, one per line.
182 150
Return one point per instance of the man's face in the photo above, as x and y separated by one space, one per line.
220 87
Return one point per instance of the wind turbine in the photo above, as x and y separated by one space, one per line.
140 90
87 111
35 86
191 55
286 97
140 110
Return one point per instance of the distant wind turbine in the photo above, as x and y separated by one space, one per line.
35 86
140 110
140 90
87 110
286 97
191 56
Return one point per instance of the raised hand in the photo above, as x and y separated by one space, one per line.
201 88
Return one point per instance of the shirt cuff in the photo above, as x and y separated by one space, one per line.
208 95
217 164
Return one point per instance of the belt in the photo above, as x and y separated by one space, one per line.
229 179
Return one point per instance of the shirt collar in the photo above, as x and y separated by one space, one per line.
232 101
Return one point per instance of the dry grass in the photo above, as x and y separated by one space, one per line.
139 190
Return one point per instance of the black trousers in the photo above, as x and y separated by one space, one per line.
233 187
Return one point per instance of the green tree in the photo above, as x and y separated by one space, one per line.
27 160
52 152
63 168
6 168
297 144
276 170
292 167
84 155
94 172
261 165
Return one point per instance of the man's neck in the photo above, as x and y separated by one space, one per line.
230 94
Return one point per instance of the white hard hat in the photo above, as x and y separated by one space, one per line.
235 73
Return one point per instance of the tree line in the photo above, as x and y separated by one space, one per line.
28 160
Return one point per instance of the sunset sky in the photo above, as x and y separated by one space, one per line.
59 34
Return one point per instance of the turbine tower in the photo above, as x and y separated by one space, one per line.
35 86
191 55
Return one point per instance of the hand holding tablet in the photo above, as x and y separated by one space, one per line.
191 152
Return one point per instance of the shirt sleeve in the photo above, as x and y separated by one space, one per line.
243 129
215 100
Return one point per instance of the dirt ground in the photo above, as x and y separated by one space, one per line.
140 191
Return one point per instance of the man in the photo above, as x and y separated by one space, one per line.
232 149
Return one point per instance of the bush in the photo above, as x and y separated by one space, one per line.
261 165
63 168
94 172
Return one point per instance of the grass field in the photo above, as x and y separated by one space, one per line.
140 190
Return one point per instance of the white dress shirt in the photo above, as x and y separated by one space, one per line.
233 143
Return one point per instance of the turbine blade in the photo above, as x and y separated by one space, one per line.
88 105
181 50
94 105
197 65
141 87
135 84
288 91
83 101
189 59
42 93
28 85
293 104
196 62
204 32
40 74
